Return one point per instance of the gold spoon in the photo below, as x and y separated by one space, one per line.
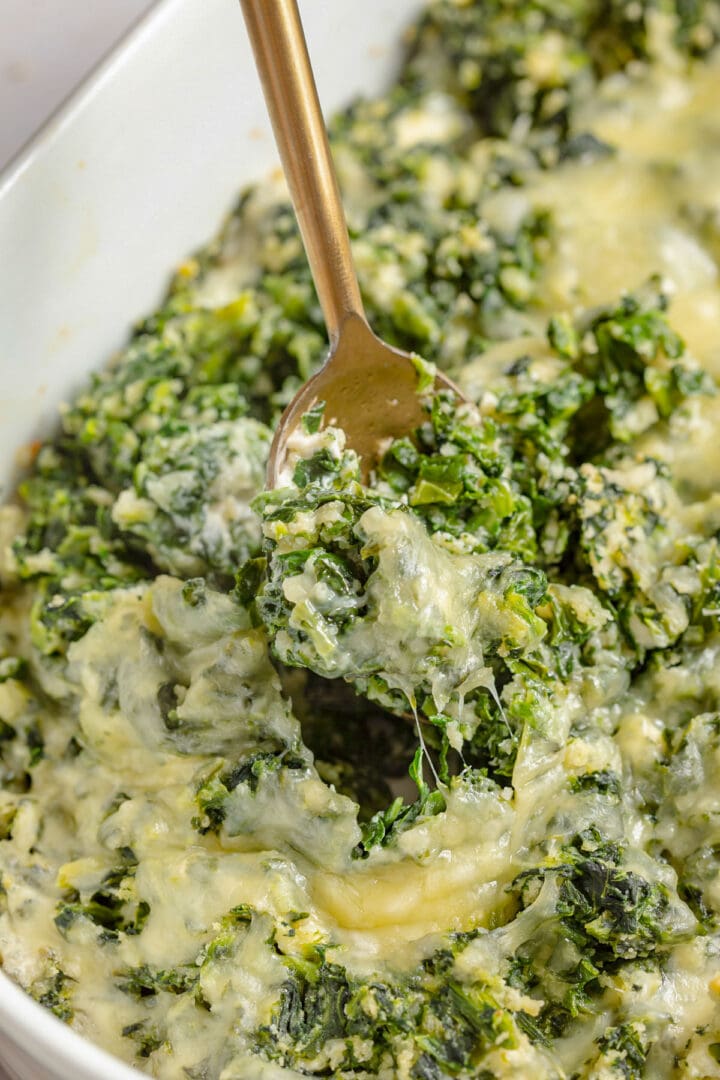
369 388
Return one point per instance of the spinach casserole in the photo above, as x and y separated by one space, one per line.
420 778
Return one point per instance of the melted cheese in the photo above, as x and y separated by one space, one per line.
620 219
617 220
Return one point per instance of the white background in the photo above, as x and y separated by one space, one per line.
46 49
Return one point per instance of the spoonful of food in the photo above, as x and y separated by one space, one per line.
370 389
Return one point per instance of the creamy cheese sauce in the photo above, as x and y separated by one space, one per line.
159 898
623 219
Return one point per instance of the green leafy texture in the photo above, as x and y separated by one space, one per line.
430 1021
490 54
212 795
71 549
130 484
312 419
639 366
147 1036
189 500
349 554
604 782
127 488
114 907
536 402
601 513
55 992
27 724
605 379
146 982
688 814
612 912
331 544
279 799
458 481
386 825
11 667
603 915
623 1051
660 579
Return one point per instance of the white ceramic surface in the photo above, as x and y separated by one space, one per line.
36 74
135 171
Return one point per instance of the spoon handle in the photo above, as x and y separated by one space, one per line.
282 60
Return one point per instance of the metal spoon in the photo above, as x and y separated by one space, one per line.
369 388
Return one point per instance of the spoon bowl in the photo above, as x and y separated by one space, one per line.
370 389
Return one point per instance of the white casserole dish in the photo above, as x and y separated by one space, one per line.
128 177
